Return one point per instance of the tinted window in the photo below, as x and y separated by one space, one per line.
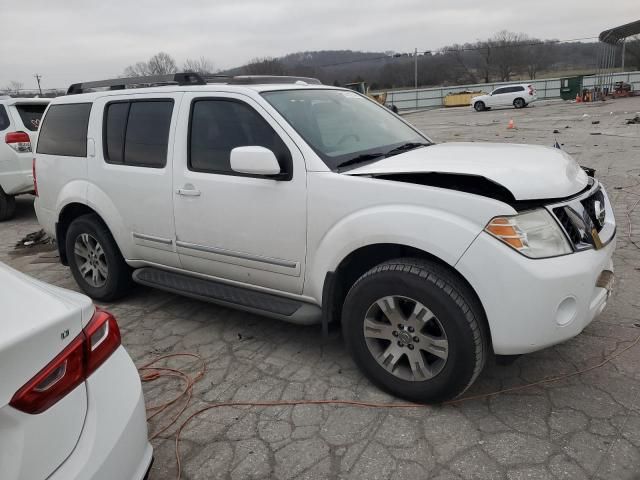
64 131
115 123
31 115
4 118
137 132
499 91
219 126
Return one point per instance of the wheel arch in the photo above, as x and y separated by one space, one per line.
67 215
355 264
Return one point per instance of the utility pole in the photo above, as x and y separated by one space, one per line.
38 77
415 73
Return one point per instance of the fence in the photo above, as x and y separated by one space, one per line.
547 88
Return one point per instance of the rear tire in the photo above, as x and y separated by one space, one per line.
95 259
519 103
479 106
7 206
415 329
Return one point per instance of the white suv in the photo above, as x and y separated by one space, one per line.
314 204
19 120
518 96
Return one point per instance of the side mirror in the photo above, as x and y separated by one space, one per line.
254 161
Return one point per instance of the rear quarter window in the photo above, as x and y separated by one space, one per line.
64 130
4 118
31 115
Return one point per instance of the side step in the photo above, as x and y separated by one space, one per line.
229 295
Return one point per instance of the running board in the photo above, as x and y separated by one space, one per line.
262 303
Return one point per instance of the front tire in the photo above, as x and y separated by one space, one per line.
415 329
7 206
95 259
479 106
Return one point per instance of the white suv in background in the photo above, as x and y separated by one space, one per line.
314 204
19 121
518 96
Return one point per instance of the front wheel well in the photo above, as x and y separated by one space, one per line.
358 262
67 215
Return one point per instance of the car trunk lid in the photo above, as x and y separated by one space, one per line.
38 322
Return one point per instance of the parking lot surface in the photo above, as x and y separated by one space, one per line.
585 426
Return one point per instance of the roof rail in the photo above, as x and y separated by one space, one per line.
151 80
268 79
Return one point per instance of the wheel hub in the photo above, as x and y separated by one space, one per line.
405 338
90 260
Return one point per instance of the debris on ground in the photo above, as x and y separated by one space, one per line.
595 122
634 120
595 133
556 131
34 238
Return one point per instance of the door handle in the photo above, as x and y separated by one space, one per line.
190 191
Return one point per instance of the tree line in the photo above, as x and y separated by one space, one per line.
504 57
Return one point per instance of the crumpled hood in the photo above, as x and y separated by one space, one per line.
529 172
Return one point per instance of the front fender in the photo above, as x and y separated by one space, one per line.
437 232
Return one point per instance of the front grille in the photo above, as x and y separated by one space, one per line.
572 230
589 205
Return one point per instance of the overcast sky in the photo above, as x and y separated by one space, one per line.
70 40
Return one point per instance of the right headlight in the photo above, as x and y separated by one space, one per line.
534 234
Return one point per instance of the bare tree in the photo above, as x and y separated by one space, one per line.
160 64
508 53
198 65
264 66
13 88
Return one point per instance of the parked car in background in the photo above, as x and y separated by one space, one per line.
518 96
71 404
19 121
314 204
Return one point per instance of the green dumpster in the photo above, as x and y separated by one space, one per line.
570 87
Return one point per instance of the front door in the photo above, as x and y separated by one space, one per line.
249 229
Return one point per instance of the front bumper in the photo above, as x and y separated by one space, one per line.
532 304
113 443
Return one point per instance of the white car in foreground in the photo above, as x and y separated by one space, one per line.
518 96
71 404
19 122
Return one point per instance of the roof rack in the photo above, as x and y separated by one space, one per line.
147 81
270 79
186 79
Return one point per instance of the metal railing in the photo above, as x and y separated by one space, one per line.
548 88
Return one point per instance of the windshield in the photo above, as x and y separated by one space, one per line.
342 127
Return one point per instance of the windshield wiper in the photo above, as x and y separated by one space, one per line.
361 158
405 147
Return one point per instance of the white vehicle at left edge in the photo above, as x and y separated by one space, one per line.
71 404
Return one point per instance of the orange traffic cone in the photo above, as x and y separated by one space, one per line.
511 125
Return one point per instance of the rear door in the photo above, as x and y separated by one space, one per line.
131 172
36 326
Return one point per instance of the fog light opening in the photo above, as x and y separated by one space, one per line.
566 311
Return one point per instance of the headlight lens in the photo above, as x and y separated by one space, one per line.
534 234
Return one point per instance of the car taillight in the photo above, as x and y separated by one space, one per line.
97 341
19 141
35 181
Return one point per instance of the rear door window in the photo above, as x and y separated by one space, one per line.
64 130
30 114
137 132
